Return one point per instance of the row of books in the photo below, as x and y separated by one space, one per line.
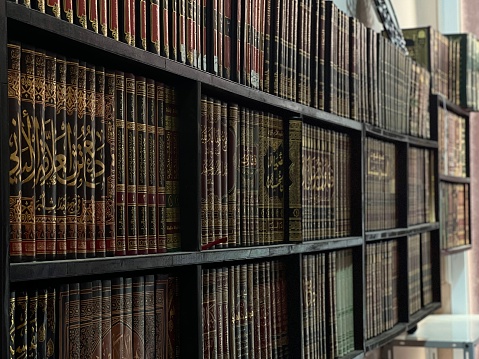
305 51
93 159
381 287
242 175
452 142
419 271
451 60
245 311
421 186
381 191
455 215
122 317
328 317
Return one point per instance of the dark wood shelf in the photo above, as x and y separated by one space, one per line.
384 338
400 232
458 249
422 142
421 314
384 134
442 101
357 354
454 179
30 271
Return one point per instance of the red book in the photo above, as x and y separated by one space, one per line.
204 49
220 34
53 8
124 14
80 13
153 27
92 15
113 30
164 29
140 14
191 33
133 23
66 10
173 28
182 31
103 17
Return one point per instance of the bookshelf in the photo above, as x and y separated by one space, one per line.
193 266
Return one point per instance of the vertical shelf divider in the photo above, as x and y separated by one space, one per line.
294 266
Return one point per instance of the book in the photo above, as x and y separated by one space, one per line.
15 170
66 10
164 28
103 17
161 190
161 314
113 30
233 167
141 24
153 26
149 311
106 317
80 13
125 33
120 165
92 12
152 165
138 317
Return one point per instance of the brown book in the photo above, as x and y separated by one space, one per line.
100 180
224 173
152 165
40 162
153 26
110 161
220 35
131 166
120 334
173 240
141 24
113 30
106 318
233 168
227 39
173 28
205 281
141 164
210 171
181 13
61 150
216 167
205 205
50 156
89 161
161 314
86 317
191 33
204 39
80 13
66 10
149 309
127 316
92 15
138 317
250 312
120 165
15 135
173 329
295 170
161 167
219 312
81 190
71 144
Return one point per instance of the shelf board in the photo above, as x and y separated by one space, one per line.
385 134
384 338
450 106
422 142
454 179
400 232
30 271
421 314
458 249
357 354
115 52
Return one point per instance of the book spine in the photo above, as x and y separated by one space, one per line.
110 163
276 170
164 28
161 314
141 24
52 8
173 332
14 142
220 34
100 182
233 164
191 33
92 15
106 318
161 189
124 20
81 190
154 26
227 32
133 23
205 235
118 327
73 328
210 170
120 164
32 323
173 28
39 141
80 13
30 100
103 17
131 166
173 241
66 10
152 166
205 312
199 29
182 31
85 315
295 171
89 161
12 325
50 156
113 30
128 316
41 322
149 310
21 324
219 312
138 316
216 167
224 172
204 39
141 165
